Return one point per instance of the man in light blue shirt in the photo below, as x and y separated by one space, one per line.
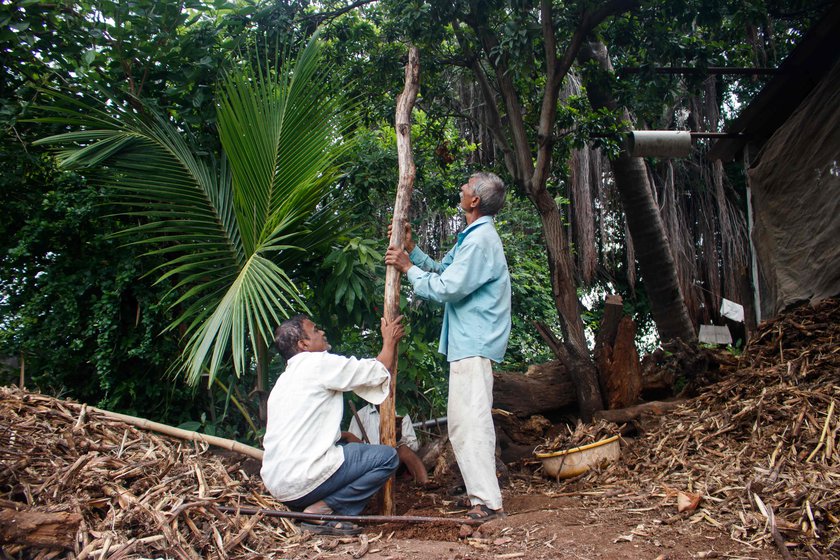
473 283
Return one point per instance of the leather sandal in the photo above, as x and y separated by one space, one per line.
331 528
483 513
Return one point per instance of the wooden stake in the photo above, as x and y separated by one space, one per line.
405 103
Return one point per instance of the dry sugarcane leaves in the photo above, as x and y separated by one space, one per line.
139 494
760 445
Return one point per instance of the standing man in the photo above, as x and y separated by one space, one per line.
304 466
473 282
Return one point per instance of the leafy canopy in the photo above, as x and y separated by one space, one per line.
232 227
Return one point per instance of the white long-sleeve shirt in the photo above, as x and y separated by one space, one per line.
370 422
305 409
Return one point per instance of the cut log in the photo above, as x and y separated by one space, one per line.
543 388
624 415
35 528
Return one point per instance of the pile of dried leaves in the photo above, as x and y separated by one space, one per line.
761 445
583 434
138 494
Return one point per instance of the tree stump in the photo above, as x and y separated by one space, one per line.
619 369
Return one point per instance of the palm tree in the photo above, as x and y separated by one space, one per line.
231 228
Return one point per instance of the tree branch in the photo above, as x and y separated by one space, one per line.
324 16
495 125
523 168
557 69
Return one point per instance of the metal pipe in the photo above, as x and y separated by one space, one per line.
707 70
354 518
430 423
658 143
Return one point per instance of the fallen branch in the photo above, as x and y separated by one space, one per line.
36 528
624 415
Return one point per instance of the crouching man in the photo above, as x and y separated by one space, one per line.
305 466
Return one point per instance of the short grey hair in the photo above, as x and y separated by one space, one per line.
288 334
491 192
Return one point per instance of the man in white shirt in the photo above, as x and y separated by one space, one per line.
407 445
304 466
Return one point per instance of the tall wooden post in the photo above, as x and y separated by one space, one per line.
405 103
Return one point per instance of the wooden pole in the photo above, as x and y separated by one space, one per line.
402 122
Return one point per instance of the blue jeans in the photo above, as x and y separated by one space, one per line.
364 471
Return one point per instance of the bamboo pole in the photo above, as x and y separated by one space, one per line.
180 433
402 121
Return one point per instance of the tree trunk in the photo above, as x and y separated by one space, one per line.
542 389
530 166
619 369
581 369
405 103
561 271
653 250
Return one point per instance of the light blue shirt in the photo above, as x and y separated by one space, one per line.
473 282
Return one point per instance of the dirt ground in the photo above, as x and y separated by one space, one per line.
751 453
544 522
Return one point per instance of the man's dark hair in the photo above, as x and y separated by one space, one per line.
491 190
288 334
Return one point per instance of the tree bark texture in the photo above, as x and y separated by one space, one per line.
35 528
407 170
653 250
543 388
619 368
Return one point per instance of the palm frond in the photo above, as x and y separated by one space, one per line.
248 309
229 227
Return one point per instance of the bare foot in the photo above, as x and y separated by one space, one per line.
319 507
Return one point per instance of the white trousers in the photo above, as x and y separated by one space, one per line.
471 428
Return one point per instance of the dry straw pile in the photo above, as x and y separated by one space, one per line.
759 447
137 494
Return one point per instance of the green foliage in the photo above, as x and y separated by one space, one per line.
350 274
71 307
234 220
83 308
532 301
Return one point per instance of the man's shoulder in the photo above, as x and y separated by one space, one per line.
483 236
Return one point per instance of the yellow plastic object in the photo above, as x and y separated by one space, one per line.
578 460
